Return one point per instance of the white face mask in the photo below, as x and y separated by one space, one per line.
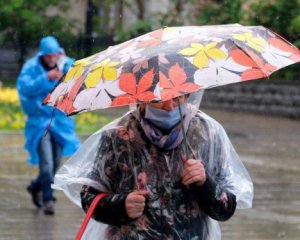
61 62
162 118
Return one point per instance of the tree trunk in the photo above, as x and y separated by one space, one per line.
178 6
88 38
141 9
120 9
22 50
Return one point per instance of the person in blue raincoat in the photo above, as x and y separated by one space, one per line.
38 77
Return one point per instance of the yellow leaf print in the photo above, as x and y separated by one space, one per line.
84 61
201 60
93 78
252 41
104 70
203 53
74 72
215 53
109 70
110 73
77 68
189 51
210 46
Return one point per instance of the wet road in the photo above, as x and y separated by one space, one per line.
269 147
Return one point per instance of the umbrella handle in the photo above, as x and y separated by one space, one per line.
183 131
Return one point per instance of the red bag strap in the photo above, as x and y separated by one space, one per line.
89 215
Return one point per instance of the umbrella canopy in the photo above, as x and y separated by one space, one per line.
171 62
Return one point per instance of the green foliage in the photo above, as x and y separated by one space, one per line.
220 12
277 15
23 22
137 29
281 16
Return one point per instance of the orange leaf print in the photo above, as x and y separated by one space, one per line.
155 40
169 94
242 58
47 99
177 75
122 100
134 92
258 68
66 104
176 84
145 82
164 81
295 53
127 83
253 73
283 45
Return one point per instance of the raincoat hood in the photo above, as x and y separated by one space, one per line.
49 45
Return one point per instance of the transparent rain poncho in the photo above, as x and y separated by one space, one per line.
118 158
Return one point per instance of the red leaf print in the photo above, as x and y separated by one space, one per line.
47 98
176 84
189 87
146 82
168 94
283 45
253 73
259 62
270 68
242 58
133 93
146 96
154 41
66 104
164 81
122 100
127 83
259 69
177 75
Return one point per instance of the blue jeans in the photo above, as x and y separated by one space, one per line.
50 154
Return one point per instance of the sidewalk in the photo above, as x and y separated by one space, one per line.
269 147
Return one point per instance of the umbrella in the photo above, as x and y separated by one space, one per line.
171 62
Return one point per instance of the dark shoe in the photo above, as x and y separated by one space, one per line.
36 196
49 208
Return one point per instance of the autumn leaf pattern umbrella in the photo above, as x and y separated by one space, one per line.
171 62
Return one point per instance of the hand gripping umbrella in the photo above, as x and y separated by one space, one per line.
171 62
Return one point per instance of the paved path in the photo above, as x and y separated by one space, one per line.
268 146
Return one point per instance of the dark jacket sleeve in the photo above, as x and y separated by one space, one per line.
217 203
110 209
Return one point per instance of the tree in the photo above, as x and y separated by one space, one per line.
283 17
24 22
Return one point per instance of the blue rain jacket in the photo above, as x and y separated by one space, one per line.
33 86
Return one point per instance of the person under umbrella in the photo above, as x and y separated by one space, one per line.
154 190
166 169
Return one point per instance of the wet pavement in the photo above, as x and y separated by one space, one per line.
268 146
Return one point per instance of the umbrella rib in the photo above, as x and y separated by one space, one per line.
183 130
245 51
